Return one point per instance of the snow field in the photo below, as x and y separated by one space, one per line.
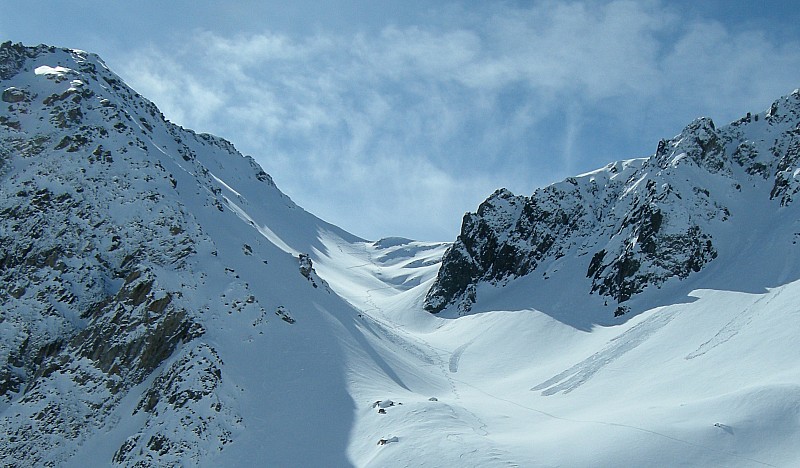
712 380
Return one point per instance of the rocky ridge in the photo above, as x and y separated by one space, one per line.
634 225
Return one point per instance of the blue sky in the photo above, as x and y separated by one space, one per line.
395 118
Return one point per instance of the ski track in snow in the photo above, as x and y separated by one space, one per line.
736 324
390 331
456 356
581 372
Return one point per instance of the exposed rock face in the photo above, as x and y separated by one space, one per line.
306 267
82 308
13 56
633 224
188 388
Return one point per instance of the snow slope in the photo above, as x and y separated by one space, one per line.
707 381
704 373
164 304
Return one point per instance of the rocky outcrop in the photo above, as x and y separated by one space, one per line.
13 95
13 57
82 310
306 267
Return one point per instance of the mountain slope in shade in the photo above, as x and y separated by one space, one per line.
640 225
133 270
162 303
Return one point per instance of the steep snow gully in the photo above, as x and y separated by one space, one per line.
164 304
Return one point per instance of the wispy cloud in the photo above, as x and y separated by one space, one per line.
399 132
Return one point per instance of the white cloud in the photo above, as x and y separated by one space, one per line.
409 127
725 71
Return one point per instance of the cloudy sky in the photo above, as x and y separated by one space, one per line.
396 117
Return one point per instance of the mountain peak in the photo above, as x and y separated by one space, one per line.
630 228
127 241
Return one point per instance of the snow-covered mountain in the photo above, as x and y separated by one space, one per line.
132 269
707 196
162 303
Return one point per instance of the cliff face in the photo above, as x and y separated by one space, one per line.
633 225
